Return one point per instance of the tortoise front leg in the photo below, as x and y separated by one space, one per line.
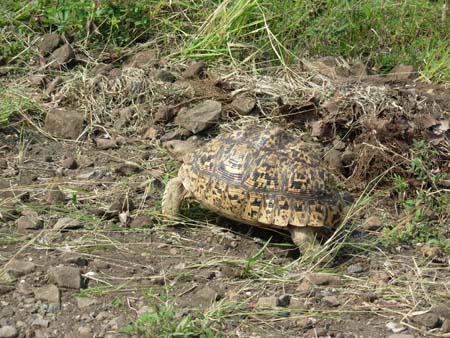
174 194
304 238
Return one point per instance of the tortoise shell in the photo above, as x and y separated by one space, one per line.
263 177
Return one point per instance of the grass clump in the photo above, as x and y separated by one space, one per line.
12 103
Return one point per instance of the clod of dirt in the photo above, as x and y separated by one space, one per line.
333 160
84 303
127 169
101 69
441 310
323 279
51 88
305 288
66 276
29 221
38 80
55 196
243 104
164 75
199 117
331 301
69 163
8 331
163 114
429 320
380 278
177 134
61 56
355 268
123 116
67 223
178 149
401 335
402 73
106 143
144 59
3 163
195 69
153 133
141 221
18 268
446 326
49 293
49 42
64 123
266 302
74 258
373 223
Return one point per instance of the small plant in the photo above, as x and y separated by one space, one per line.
252 260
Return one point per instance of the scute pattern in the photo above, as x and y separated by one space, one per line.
264 178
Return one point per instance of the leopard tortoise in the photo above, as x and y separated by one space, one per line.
261 177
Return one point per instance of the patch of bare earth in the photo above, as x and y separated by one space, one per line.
84 250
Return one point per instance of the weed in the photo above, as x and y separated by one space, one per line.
252 260
12 103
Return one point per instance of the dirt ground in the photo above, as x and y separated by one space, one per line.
85 250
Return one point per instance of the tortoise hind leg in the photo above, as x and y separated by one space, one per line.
304 238
174 194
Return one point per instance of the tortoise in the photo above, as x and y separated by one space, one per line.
261 177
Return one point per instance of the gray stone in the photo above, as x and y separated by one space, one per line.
69 163
195 69
55 196
355 268
401 335
83 303
243 104
164 75
106 143
441 310
64 123
402 73
66 276
18 268
164 114
199 117
7 312
429 320
8 331
40 322
74 258
177 134
49 42
266 302
323 279
332 301
67 223
48 293
446 326
3 163
372 223
153 132
144 59
29 221
61 56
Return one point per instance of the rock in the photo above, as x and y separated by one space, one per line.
8 331
67 223
40 322
5 288
106 143
144 59
266 302
446 326
395 327
401 335
127 169
380 278
53 85
103 315
200 117
243 104
163 114
38 80
177 134
372 223
402 73
118 322
123 116
323 279
49 42
164 75
74 258
55 196
355 268
7 311
316 332
85 331
305 288
66 276
178 149
284 300
338 144
429 320
332 301
49 293
100 264
141 221
69 163
441 310
30 221
83 303
153 132
195 69
18 268
64 123
62 56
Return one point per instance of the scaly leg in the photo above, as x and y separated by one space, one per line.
173 196
304 238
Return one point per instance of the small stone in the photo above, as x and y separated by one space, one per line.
66 276
178 149
55 196
74 258
338 144
430 251
61 56
200 117
37 80
143 59
85 331
102 315
446 326
83 303
106 143
266 302
53 85
243 104
142 221
305 288
316 332
145 309
8 331
127 169
31 221
401 335
164 114
395 327
195 69
64 123
153 133
124 116
3 163
49 42
40 322
69 163
402 73
284 300
429 320
67 223
380 278
100 264
323 279
102 69
18 268
441 310
165 76
355 268
7 311
372 223
332 301
49 293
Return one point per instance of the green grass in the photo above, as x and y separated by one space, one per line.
382 33
12 103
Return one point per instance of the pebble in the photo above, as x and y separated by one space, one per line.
31 221
266 302
355 268
67 223
49 293
401 335
323 279
69 163
446 326
66 276
429 320
83 303
332 301
18 268
372 223
8 331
